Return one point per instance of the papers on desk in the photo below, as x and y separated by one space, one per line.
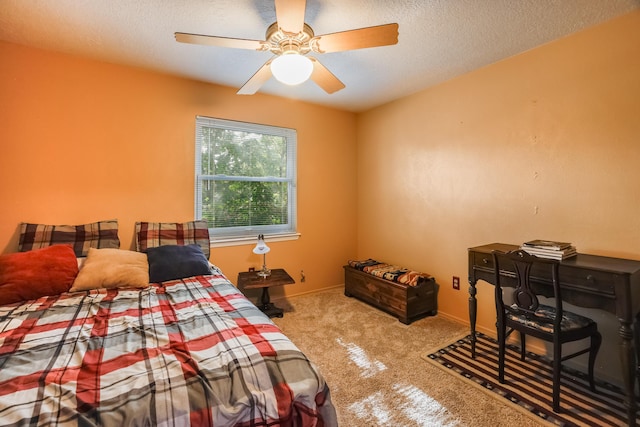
549 249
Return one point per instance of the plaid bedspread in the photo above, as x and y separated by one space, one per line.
191 352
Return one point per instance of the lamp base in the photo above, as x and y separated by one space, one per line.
264 273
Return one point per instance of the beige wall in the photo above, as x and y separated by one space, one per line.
542 145
82 141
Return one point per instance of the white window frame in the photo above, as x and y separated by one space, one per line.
247 234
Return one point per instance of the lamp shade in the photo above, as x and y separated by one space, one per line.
291 68
261 247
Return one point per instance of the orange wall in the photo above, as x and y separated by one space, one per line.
82 140
542 145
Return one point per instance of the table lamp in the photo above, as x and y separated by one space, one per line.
262 248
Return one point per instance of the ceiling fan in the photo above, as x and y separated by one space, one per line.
290 39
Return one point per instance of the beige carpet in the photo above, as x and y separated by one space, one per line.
374 366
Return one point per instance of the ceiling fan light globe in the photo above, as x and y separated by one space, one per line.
291 68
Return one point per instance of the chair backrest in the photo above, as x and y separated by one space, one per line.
525 295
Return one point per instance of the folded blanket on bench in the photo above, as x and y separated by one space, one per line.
388 271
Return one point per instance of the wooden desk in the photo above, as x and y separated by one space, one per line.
251 280
609 284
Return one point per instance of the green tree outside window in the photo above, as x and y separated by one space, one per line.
245 177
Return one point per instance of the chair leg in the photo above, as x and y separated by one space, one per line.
557 365
523 346
596 340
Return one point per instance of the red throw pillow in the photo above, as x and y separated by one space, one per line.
40 272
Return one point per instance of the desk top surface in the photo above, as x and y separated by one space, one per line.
251 280
595 262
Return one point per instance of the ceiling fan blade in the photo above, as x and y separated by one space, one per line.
220 41
381 35
257 80
290 15
325 78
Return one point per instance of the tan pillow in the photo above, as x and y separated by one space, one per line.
112 268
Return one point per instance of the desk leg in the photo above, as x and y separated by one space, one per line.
629 369
636 345
473 309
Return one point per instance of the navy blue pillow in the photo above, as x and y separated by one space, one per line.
171 262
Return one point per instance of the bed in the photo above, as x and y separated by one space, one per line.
190 351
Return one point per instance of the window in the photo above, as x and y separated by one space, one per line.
245 178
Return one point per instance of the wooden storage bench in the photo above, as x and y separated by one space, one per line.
406 294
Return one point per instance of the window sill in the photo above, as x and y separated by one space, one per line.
251 240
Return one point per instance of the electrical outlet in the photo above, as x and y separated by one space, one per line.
302 277
456 283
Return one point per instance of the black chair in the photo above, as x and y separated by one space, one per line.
527 316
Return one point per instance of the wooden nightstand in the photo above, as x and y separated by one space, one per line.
251 280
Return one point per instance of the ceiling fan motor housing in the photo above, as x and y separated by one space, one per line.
280 42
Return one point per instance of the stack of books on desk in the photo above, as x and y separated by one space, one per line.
549 249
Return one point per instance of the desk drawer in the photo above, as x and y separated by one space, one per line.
599 282
483 260
592 281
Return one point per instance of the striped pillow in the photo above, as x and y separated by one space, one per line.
154 234
101 234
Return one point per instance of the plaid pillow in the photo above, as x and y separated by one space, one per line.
101 234
154 234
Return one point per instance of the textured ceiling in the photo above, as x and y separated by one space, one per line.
439 39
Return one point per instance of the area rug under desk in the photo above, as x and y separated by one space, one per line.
528 384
